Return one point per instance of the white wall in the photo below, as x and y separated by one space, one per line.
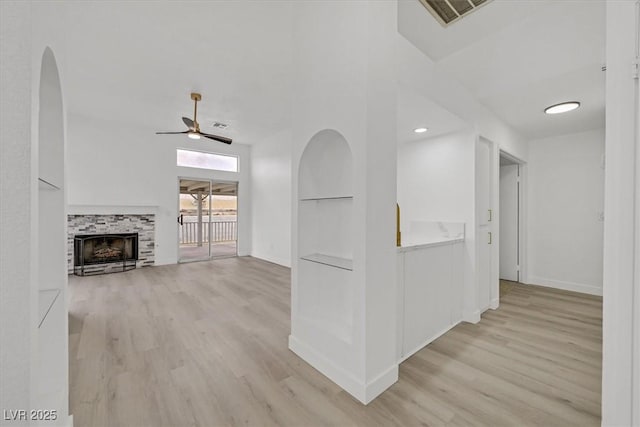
435 179
127 165
26 30
271 204
436 182
621 299
565 201
17 187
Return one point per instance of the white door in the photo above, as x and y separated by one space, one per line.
509 199
484 218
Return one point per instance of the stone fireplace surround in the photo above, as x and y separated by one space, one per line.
90 223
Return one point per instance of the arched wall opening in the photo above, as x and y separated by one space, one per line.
51 372
324 294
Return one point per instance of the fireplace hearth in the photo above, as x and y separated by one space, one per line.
118 250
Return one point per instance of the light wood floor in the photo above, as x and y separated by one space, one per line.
205 344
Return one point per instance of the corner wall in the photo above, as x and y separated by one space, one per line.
436 182
621 285
271 204
18 285
345 82
565 206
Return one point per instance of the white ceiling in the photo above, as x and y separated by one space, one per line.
416 111
136 61
130 62
518 57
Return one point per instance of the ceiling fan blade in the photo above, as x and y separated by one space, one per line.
222 139
172 133
187 121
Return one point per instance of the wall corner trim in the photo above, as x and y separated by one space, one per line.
284 262
365 393
473 317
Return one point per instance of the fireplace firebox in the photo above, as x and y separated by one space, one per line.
92 253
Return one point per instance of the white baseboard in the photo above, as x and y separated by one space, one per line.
365 393
495 303
379 384
566 286
164 261
428 341
275 260
473 317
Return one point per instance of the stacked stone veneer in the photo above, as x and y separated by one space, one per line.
144 225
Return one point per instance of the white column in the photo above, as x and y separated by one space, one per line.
621 358
345 82
18 287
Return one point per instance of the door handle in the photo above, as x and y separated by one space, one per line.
180 220
490 215
490 238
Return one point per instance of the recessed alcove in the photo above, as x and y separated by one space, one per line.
326 167
325 234
52 367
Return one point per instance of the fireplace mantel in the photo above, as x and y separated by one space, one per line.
113 209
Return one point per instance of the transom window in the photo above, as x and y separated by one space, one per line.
211 161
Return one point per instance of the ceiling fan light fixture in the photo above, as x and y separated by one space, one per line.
194 128
563 107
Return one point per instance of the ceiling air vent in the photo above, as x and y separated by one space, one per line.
449 11
219 125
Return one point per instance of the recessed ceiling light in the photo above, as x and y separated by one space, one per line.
562 108
420 130
193 135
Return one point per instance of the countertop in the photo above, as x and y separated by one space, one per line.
413 245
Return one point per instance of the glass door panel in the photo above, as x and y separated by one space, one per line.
224 219
194 220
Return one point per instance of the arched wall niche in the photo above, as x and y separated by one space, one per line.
50 123
324 289
51 371
326 166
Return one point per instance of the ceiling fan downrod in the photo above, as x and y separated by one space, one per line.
196 97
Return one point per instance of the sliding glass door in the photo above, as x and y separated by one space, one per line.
207 224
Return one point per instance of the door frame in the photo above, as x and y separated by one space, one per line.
494 282
522 215
211 182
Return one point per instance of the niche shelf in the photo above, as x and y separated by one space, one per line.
331 261
46 299
46 185
310 199
325 207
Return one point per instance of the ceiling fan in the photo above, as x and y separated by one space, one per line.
194 126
